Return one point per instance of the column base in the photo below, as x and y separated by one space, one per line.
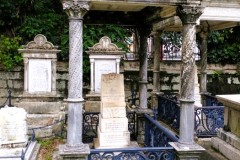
79 152
187 152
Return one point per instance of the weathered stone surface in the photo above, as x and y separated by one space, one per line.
226 149
13 127
113 112
115 139
113 125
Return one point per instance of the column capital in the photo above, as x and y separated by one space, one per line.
189 13
205 28
75 9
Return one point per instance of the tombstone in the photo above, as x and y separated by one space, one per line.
113 123
13 133
104 58
40 98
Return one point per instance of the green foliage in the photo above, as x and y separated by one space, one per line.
9 55
223 46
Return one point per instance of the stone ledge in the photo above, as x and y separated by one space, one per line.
226 149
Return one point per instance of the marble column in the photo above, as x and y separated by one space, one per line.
156 66
75 149
203 80
186 146
144 33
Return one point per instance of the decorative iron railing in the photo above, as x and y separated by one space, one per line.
208 119
211 100
157 135
90 125
169 110
146 153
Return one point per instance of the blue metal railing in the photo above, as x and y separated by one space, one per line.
157 135
154 133
169 110
207 118
146 153
211 100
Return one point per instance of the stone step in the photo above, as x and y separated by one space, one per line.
41 107
46 125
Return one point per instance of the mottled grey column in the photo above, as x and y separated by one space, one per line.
75 10
188 16
156 66
144 33
203 80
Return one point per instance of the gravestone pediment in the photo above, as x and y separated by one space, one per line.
40 42
105 46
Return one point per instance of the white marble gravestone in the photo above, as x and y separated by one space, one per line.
104 58
13 127
113 123
40 58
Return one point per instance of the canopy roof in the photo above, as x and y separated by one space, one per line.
218 14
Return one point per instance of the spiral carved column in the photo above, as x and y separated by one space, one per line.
74 147
186 148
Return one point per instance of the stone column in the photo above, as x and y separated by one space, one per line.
92 75
75 149
54 70
188 15
26 74
144 33
203 81
156 66
143 108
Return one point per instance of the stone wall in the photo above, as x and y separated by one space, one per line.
221 79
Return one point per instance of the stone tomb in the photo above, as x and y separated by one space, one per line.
113 123
13 133
104 58
40 98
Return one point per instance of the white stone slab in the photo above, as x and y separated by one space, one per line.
112 85
103 67
13 126
40 74
113 125
114 139
113 112
105 99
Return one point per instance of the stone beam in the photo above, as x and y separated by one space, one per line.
221 14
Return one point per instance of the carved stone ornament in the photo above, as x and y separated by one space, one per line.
189 14
104 45
75 8
40 42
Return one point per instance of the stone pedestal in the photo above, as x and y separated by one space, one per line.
113 123
40 96
228 139
104 58
187 152
13 133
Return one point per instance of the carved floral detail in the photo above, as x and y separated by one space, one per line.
40 42
75 9
189 14
104 45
